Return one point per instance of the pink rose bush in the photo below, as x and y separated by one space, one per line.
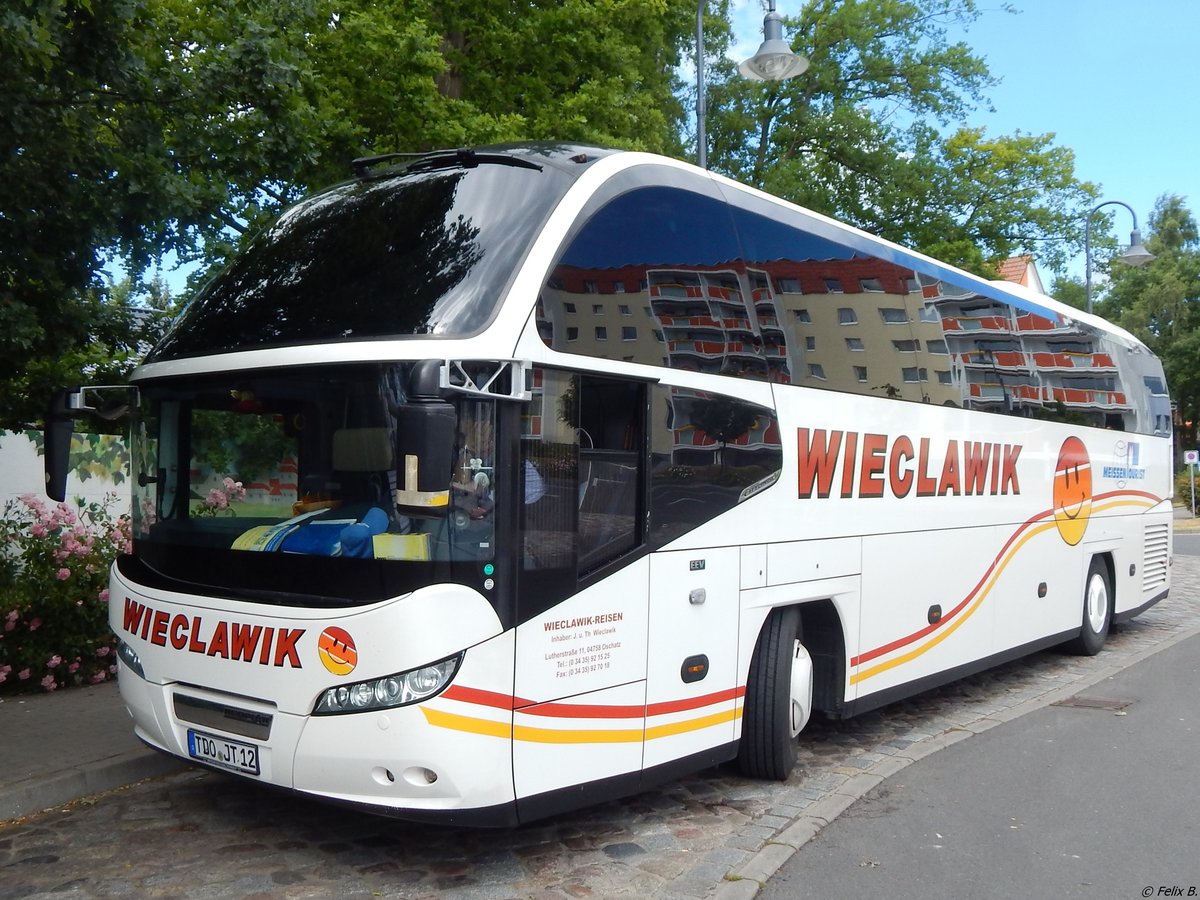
218 500
54 563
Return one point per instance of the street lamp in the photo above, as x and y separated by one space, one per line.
1136 255
774 61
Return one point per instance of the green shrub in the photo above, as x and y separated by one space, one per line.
1183 489
54 593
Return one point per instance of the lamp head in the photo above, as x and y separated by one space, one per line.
774 60
1137 254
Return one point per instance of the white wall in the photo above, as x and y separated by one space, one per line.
22 471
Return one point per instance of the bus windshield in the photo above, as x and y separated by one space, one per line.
299 483
427 253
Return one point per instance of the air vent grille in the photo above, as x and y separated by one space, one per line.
1155 556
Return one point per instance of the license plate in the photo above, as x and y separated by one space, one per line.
223 752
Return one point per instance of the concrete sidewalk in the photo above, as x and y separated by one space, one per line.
59 747
1085 797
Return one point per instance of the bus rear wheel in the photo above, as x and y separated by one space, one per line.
1097 610
778 698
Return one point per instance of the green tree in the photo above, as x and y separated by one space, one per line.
1069 291
412 75
62 63
134 128
860 136
1160 303
996 196
123 326
131 128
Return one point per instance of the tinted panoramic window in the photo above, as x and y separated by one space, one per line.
742 286
927 339
679 249
424 254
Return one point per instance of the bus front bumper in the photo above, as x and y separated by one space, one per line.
390 761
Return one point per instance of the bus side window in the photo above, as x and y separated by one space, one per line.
707 453
550 450
611 415
583 482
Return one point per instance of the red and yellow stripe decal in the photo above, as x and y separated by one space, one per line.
586 723
629 723
927 638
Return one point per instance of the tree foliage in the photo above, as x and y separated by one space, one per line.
867 135
412 75
1160 303
135 128
132 128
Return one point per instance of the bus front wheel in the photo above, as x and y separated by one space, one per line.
1097 610
778 698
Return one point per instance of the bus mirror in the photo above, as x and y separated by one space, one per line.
108 401
60 425
424 457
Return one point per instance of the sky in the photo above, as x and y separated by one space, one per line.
1113 81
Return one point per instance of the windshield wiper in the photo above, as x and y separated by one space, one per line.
464 158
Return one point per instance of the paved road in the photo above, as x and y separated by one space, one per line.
1068 801
1187 543
201 834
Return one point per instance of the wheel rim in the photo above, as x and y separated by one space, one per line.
1097 604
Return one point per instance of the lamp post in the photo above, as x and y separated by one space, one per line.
1136 255
774 61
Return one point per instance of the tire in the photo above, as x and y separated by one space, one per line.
1097 610
768 744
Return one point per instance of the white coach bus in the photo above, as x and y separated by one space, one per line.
494 483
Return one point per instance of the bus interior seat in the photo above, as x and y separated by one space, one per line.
362 460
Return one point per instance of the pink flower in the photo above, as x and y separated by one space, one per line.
38 530
49 683
34 504
73 667
104 595
234 489
23 675
63 574
103 651
35 623
98 677
54 661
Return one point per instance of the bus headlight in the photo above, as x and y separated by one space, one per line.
129 656
400 689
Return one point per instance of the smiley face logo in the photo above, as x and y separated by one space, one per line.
1072 490
335 649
